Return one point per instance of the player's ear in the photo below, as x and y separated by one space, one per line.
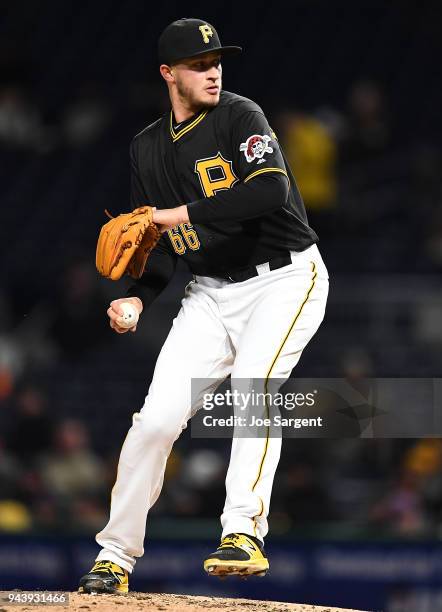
167 73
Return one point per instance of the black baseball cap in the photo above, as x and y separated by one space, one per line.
188 38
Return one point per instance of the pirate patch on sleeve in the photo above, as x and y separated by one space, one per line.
256 147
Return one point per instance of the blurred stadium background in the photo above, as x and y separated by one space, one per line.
354 92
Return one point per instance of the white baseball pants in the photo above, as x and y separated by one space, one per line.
256 329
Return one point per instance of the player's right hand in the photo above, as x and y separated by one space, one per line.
114 311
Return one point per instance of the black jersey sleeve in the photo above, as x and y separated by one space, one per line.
261 196
159 270
255 147
138 195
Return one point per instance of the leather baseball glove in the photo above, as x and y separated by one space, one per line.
125 243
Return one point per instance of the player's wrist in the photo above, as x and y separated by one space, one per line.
183 214
170 217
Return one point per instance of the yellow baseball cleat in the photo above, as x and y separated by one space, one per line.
238 554
105 577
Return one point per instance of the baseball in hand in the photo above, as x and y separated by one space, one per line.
130 315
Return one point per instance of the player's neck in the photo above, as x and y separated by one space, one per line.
183 114
182 111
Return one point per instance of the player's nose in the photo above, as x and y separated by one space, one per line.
213 73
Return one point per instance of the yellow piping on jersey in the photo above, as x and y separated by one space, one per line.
262 170
177 135
312 284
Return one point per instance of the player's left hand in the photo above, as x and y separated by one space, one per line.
170 217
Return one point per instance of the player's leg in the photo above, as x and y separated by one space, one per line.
197 347
288 311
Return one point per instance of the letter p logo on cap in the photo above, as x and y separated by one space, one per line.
206 31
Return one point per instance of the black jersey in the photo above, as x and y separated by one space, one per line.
225 164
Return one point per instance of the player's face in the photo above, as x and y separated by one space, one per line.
198 80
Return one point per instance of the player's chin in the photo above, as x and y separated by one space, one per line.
211 99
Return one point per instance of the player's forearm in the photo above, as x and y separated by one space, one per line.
261 196
167 218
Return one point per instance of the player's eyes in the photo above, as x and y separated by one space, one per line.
201 66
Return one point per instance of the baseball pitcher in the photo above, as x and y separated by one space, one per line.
217 187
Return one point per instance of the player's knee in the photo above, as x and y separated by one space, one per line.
157 430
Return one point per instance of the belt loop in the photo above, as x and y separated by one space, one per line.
263 268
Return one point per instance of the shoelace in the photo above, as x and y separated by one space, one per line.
107 565
229 542
102 565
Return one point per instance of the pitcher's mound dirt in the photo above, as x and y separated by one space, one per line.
150 602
